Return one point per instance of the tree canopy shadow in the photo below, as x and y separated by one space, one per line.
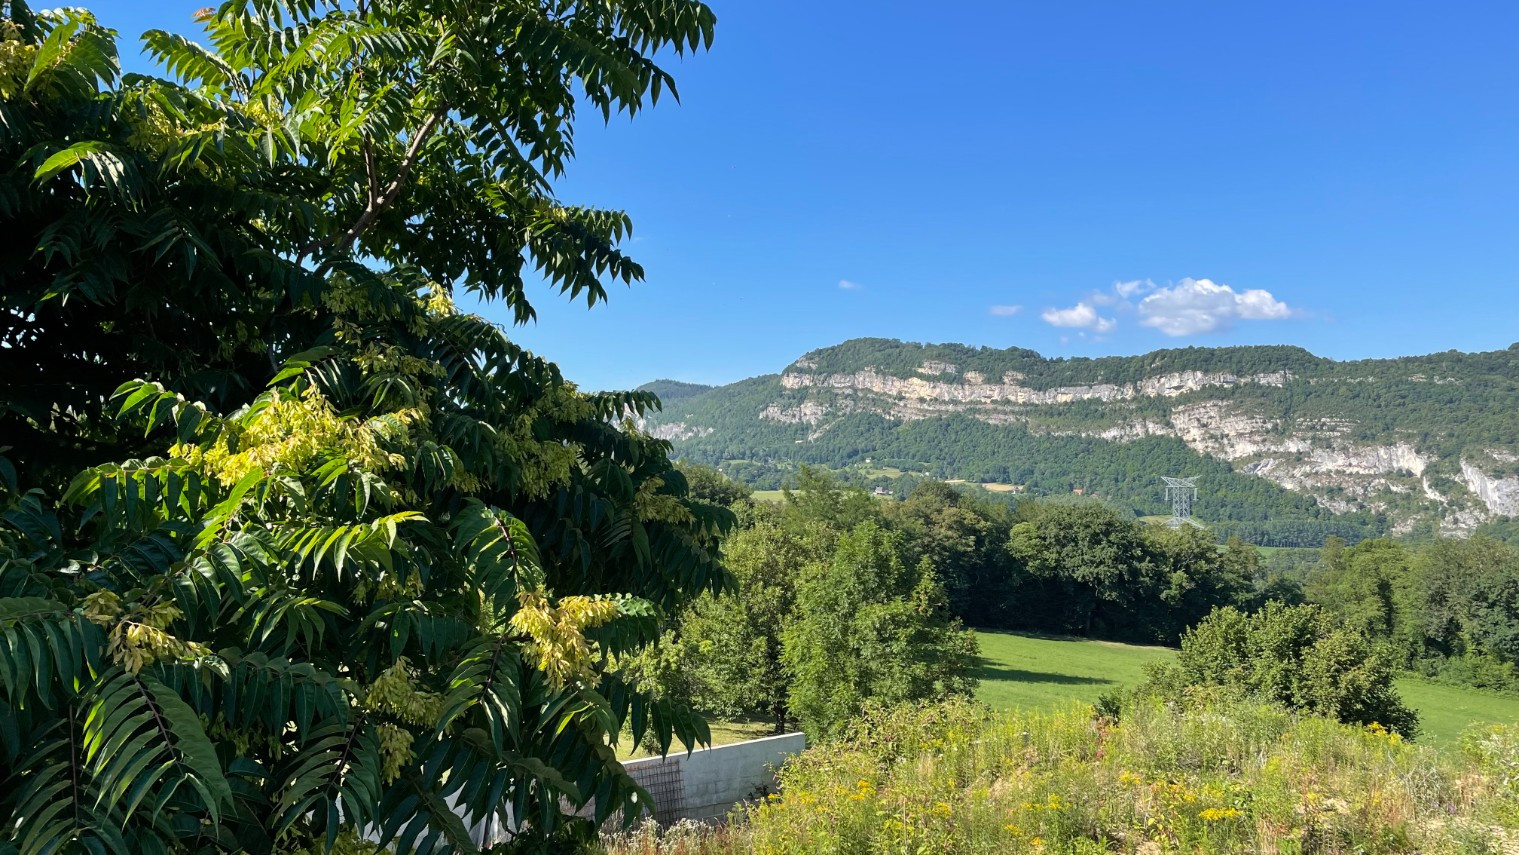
987 670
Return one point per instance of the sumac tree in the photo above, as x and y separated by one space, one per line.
293 551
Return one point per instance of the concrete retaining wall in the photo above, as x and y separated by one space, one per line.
703 785
708 782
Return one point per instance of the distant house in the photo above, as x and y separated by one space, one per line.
1079 491
881 491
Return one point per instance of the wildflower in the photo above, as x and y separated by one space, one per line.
1216 814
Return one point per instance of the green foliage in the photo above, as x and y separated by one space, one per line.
964 538
1297 656
1448 608
1089 571
817 496
291 549
734 645
752 655
904 359
710 485
1093 561
871 627
1467 595
1495 749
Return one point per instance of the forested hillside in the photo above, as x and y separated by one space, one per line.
1288 447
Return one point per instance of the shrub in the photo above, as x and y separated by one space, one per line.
1295 656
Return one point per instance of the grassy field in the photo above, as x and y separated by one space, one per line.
1033 672
1040 673
723 733
769 496
1445 711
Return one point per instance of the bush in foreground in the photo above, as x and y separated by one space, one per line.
1213 778
1297 656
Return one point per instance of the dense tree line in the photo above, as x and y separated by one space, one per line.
905 359
844 598
1305 533
1082 569
1448 607
670 391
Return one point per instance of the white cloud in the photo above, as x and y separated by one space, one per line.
1005 311
1080 316
1194 306
1132 287
850 286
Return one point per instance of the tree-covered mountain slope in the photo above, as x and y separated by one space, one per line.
1275 434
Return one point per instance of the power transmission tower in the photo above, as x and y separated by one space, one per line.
1181 492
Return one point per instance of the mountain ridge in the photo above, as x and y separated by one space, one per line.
1407 441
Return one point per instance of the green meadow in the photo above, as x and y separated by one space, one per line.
1031 672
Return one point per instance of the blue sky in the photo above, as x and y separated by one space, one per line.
1342 176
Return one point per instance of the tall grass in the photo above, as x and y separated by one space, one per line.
1216 777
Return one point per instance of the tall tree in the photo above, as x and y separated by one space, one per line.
1197 577
291 548
966 542
1089 563
1363 584
869 627
736 643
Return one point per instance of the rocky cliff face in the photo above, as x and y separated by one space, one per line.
1500 495
975 390
1317 458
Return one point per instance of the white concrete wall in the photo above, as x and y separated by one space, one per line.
704 785
708 782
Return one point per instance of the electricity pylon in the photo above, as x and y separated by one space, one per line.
1181 492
